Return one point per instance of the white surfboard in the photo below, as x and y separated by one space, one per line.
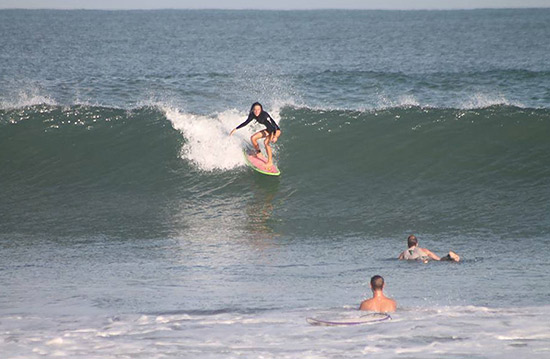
359 320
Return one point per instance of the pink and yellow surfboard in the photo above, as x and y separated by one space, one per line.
258 163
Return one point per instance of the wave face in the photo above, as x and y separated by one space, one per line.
351 171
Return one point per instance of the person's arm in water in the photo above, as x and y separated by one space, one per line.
401 256
431 254
250 117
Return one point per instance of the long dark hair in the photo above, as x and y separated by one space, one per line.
258 104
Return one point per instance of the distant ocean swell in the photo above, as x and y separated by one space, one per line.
334 89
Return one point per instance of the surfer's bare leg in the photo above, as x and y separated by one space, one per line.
254 139
268 150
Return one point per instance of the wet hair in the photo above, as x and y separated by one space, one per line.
377 282
256 104
412 241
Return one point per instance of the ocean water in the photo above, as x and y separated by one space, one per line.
131 227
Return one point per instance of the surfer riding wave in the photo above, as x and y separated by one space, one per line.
271 132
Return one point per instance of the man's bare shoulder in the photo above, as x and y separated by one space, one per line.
391 305
367 305
385 305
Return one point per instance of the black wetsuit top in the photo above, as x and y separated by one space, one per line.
264 118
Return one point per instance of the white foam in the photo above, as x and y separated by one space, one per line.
383 102
55 341
541 336
400 102
481 100
29 97
473 331
208 144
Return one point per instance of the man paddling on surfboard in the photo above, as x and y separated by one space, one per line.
414 252
271 132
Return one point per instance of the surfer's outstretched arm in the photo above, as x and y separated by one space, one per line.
246 122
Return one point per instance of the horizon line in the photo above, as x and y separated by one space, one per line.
276 9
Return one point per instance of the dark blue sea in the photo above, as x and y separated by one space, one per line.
131 227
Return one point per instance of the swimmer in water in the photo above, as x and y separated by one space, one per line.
424 255
271 132
379 302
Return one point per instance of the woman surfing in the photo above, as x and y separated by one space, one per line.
271 132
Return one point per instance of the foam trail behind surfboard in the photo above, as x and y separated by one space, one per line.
208 144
